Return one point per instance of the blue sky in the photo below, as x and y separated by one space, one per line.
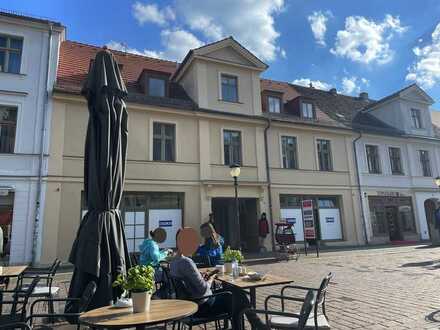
376 46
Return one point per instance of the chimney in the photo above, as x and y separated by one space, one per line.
333 91
363 96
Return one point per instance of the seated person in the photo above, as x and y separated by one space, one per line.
185 269
150 252
213 246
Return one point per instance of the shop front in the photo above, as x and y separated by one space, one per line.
392 219
327 215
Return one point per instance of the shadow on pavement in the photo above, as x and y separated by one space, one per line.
433 317
431 264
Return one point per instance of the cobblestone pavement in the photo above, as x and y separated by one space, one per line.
381 288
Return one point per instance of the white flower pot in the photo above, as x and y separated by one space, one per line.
228 267
141 301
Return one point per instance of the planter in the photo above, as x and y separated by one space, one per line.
141 301
228 267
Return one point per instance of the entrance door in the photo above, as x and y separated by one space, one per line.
393 223
242 234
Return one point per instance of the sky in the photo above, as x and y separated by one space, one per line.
375 46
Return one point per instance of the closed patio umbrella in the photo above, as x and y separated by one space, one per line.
99 252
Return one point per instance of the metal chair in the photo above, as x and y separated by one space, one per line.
16 325
295 321
20 299
74 307
202 261
181 292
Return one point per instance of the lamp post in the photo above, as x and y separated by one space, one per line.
235 173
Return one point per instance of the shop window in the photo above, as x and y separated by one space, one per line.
378 222
6 218
290 201
328 203
406 218
8 125
232 147
289 154
164 142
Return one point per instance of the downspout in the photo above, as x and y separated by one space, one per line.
269 183
35 240
364 224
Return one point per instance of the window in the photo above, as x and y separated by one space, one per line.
425 162
8 123
274 104
156 87
288 148
164 141
395 161
373 159
232 147
10 54
307 110
324 155
229 85
416 118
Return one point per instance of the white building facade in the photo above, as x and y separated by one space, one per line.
398 157
29 50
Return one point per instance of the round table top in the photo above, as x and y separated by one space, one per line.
161 310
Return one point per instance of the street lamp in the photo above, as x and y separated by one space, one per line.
437 181
235 173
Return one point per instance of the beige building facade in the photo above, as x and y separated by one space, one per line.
187 124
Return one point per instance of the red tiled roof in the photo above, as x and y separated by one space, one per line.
75 59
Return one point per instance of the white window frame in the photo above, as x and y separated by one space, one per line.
220 92
222 144
15 35
420 118
402 163
366 158
302 112
151 138
317 154
280 102
280 143
18 131
430 153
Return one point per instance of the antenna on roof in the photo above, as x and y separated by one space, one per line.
310 85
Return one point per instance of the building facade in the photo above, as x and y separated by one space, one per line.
28 60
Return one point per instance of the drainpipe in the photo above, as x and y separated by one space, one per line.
38 205
269 183
364 224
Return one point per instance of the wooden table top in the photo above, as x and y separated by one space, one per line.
160 311
244 282
11 271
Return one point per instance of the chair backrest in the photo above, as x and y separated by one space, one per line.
202 261
323 288
55 267
180 288
306 309
21 297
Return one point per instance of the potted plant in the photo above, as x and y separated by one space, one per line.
139 282
229 256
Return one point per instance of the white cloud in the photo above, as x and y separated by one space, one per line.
366 41
318 24
151 13
426 69
315 83
176 44
352 85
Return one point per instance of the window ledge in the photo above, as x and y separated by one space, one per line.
233 102
22 75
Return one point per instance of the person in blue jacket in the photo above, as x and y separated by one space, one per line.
149 249
214 242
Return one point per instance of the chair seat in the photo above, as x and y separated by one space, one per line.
285 322
195 320
45 291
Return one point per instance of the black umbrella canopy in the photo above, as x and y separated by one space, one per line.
99 252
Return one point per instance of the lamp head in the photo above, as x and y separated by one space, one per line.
235 170
437 181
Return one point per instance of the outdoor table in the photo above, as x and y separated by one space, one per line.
6 272
161 311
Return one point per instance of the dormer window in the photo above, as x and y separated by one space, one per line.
156 86
416 118
307 110
274 104
229 88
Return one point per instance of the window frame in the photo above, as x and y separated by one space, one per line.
402 171
416 118
296 160
223 146
220 87
317 140
302 103
164 122
157 77
280 102
379 170
8 50
17 113
427 173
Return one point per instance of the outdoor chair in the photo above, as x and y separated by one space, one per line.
20 298
202 261
295 321
134 258
316 320
16 325
47 290
74 308
181 292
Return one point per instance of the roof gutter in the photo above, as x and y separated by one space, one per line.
269 183
364 223
36 230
